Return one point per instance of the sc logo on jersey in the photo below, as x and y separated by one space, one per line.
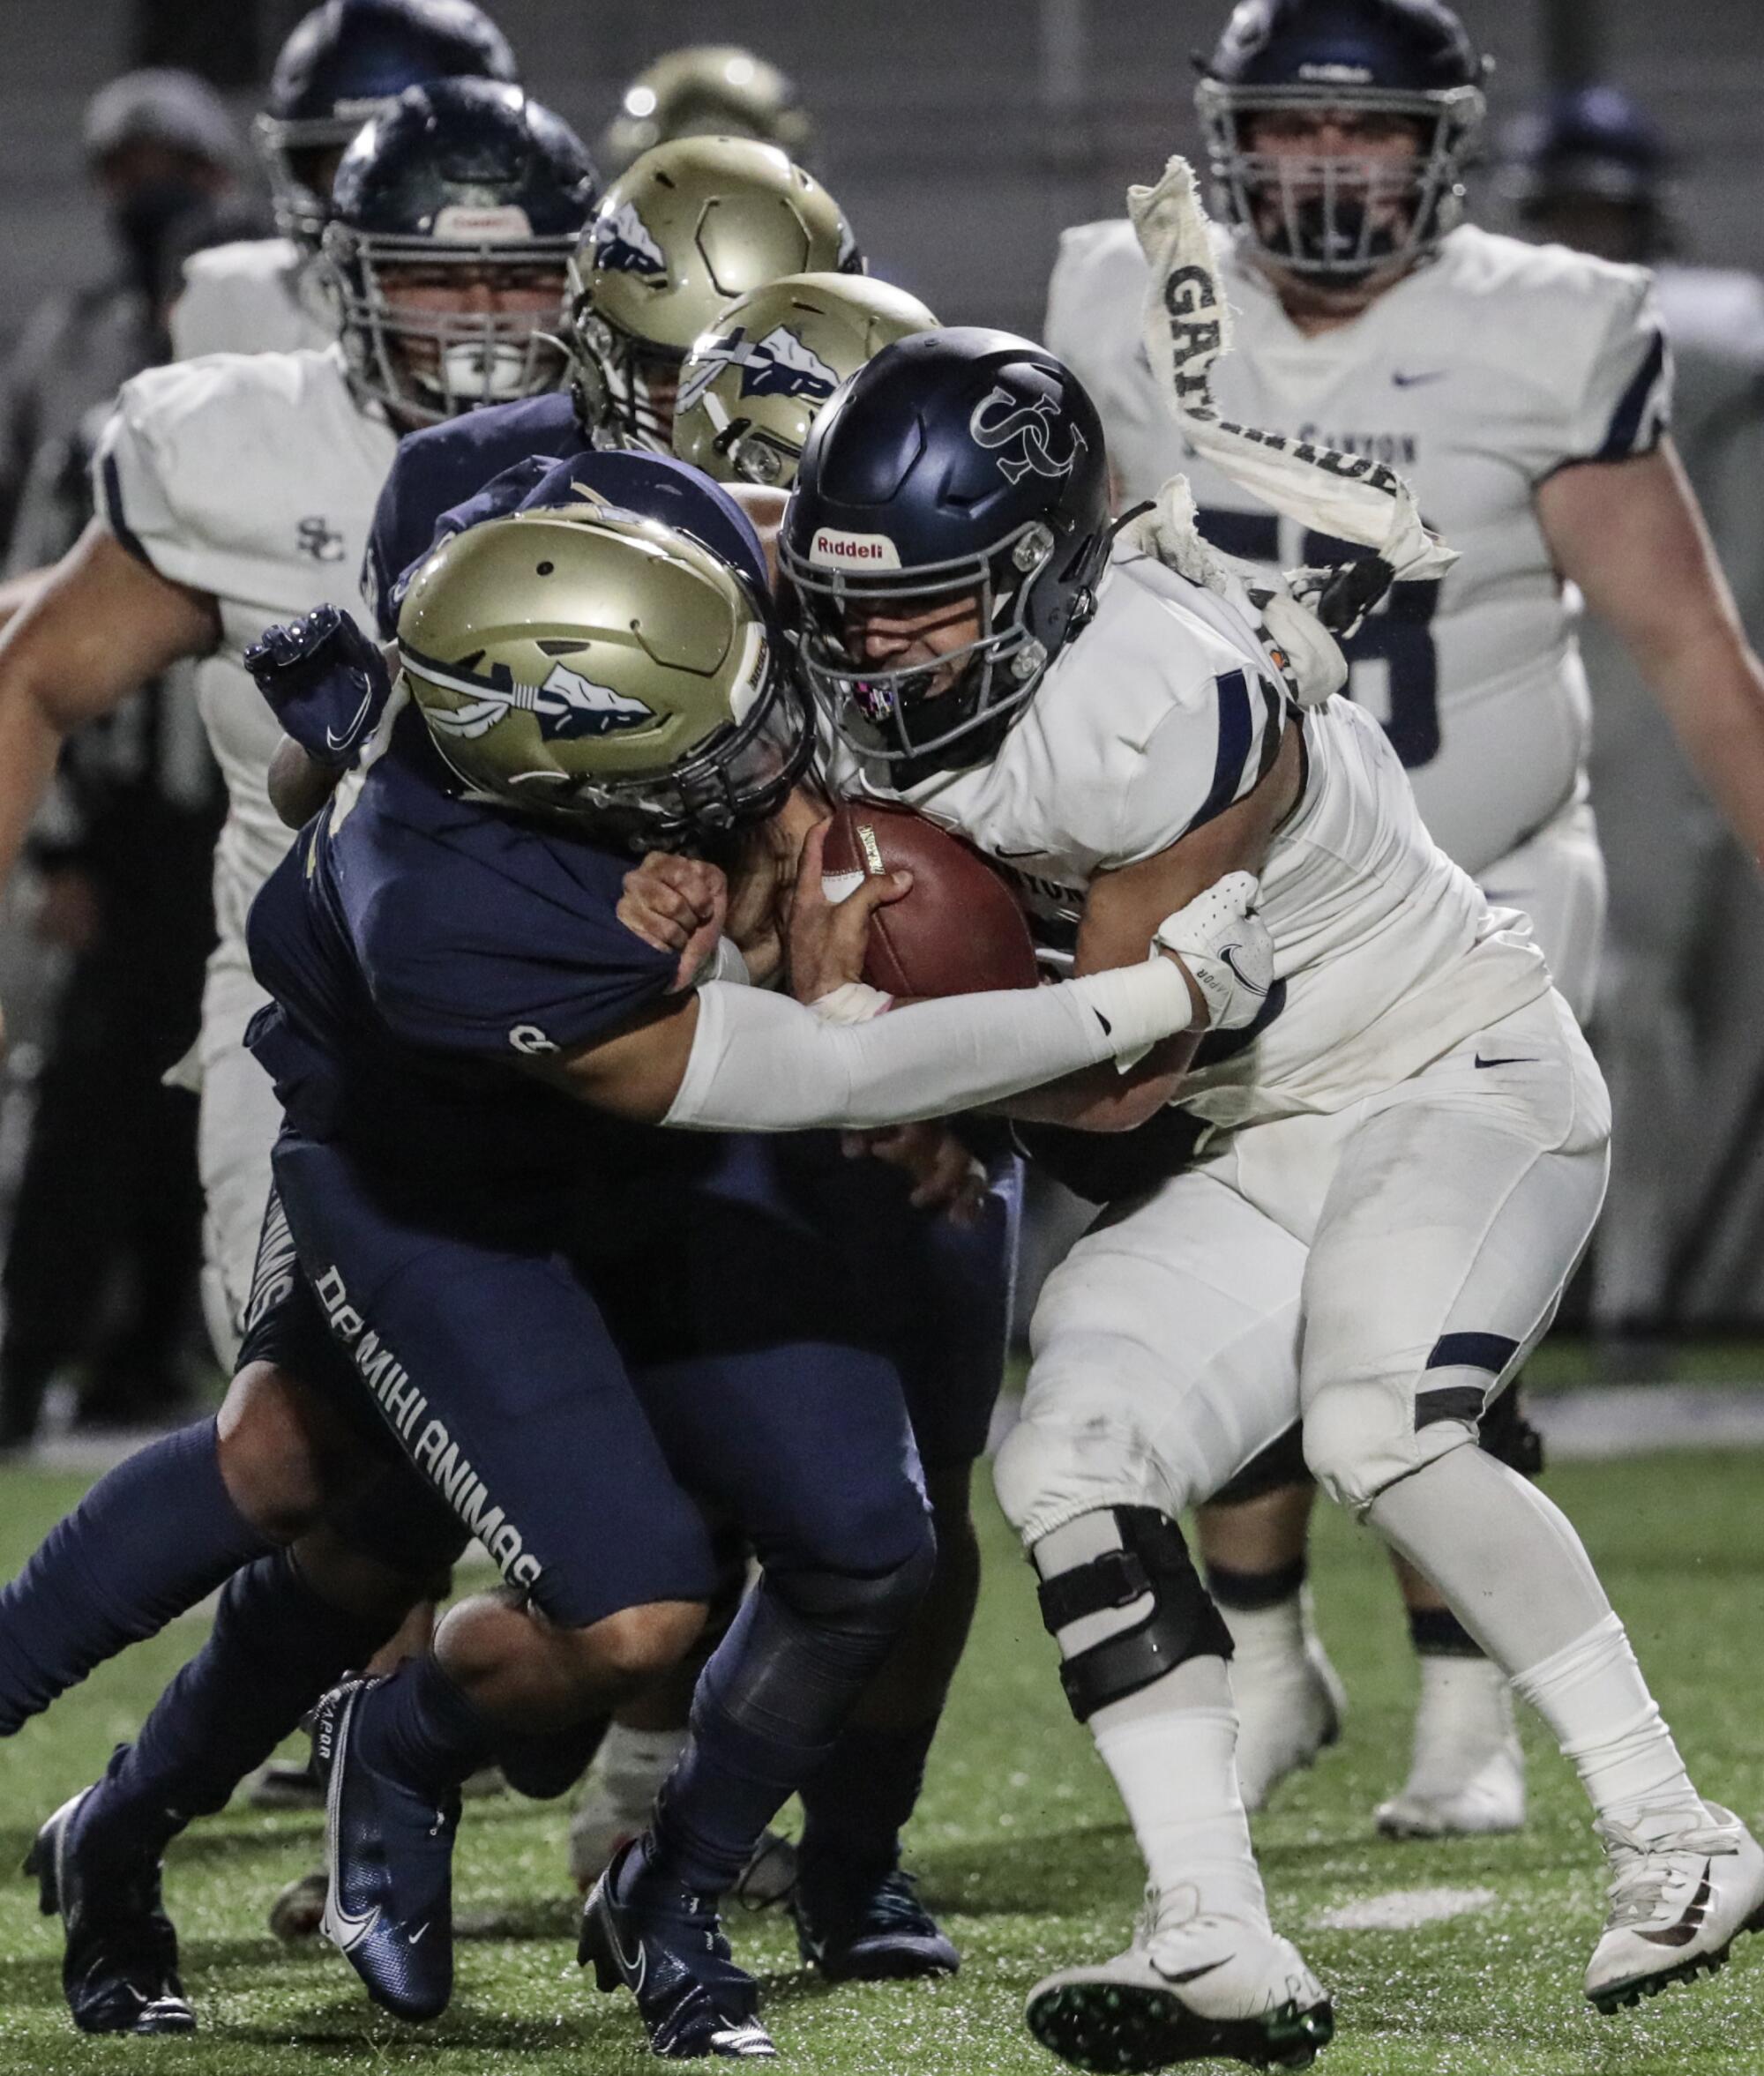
1025 430
319 539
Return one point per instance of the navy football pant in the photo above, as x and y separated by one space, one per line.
497 1375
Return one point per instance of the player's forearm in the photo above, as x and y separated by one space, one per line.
1104 1099
1711 688
29 745
299 785
761 1064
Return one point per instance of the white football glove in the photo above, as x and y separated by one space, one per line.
1226 948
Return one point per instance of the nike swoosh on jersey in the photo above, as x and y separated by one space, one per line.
1403 381
1108 1028
1516 1060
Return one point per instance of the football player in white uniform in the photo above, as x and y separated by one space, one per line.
345 62
1523 391
237 491
1405 1153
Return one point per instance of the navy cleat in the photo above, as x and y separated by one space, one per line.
866 1924
119 1972
389 1867
663 1943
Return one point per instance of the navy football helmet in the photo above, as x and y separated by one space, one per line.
956 464
347 61
1341 218
468 178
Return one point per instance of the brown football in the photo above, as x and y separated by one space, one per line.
959 931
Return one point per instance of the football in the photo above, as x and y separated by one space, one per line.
959 931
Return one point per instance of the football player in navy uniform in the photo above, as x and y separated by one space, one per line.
935 1291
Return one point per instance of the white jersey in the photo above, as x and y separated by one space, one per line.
1157 719
257 295
253 478
1476 375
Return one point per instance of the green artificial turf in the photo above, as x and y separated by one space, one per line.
1022 1849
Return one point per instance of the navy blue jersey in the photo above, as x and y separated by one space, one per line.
450 476
420 947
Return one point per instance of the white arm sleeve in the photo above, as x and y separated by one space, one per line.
762 1064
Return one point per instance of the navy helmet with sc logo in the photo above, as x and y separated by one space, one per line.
350 60
957 465
1340 216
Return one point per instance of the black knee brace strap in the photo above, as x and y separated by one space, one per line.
1507 1436
1183 1624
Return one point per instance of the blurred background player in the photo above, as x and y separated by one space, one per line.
345 62
1676 1037
447 305
706 90
1524 393
690 225
106 1239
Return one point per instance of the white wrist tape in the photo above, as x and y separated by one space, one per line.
762 1064
852 1003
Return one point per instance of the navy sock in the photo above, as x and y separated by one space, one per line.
1437 1633
149 1541
767 1710
420 1728
275 1648
1254 1590
858 1801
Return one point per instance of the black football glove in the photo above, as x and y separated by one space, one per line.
325 681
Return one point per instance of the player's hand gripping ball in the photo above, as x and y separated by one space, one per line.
959 931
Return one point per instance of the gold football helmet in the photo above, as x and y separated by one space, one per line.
690 225
581 664
704 90
752 384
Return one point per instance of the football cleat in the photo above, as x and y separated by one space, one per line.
119 1971
1290 1703
1677 1903
663 1943
298 1911
1190 1988
858 1925
1467 1774
389 1867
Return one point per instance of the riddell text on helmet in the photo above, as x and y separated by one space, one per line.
843 550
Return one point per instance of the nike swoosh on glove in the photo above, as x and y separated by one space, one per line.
326 683
1226 948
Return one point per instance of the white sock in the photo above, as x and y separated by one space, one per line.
1173 1750
1269 1638
1592 1695
631 1765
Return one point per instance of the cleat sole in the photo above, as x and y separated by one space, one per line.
1121 2029
593 1949
1625 1995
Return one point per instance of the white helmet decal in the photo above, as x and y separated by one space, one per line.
1024 428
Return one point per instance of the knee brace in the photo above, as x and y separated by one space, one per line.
1148 1564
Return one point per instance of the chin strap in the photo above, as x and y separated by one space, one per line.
1187 326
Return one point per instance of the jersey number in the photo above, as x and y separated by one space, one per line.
1396 642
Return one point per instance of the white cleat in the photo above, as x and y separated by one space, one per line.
1290 1701
1187 1990
1677 1903
1467 1774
